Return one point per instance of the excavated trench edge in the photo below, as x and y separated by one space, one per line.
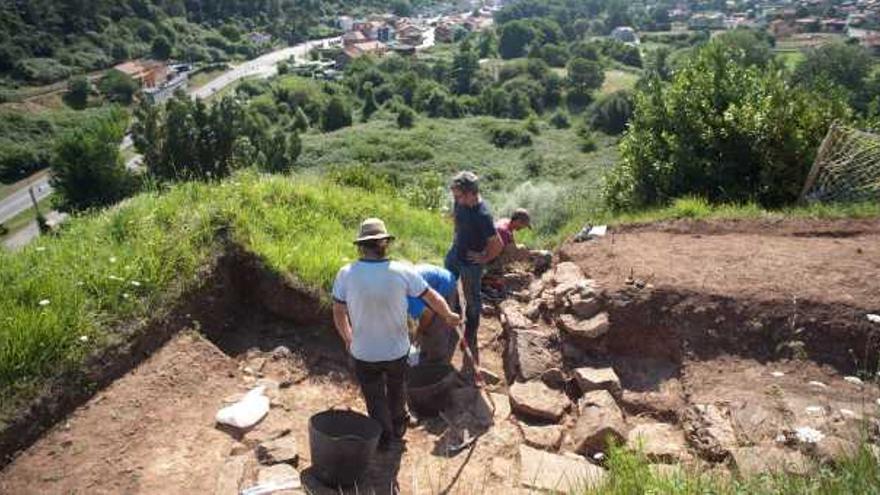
235 278
670 325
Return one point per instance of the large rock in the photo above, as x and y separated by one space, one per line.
542 437
567 273
710 431
534 399
531 352
281 473
833 450
284 449
558 473
512 317
584 307
760 459
660 442
590 329
600 420
589 379
230 476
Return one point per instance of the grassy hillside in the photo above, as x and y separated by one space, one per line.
62 296
551 176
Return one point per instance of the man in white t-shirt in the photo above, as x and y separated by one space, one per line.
370 311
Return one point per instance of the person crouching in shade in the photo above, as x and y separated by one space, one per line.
369 311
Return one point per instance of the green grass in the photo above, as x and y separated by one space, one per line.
444 146
592 212
204 77
615 80
125 263
629 473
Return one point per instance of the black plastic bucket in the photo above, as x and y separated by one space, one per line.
342 444
428 387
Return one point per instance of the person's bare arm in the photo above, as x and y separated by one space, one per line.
436 302
343 324
493 248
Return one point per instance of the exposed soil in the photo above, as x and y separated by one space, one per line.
817 261
732 336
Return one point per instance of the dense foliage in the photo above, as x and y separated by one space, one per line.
42 41
87 169
725 129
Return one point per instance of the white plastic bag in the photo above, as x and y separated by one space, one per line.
246 412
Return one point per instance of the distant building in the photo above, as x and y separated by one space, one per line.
807 25
351 52
713 20
258 38
353 38
625 34
147 73
166 90
444 32
410 35
345 23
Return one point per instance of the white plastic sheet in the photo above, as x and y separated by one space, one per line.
246 412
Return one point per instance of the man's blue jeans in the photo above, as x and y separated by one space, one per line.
470 276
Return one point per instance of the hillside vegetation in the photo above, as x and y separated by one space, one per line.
63 296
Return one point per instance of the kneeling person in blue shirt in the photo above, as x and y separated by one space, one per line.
436 338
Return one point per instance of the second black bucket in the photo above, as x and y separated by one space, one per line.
428 387
341 444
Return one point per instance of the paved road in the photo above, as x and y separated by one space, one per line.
20 201
263 66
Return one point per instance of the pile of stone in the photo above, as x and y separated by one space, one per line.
568 415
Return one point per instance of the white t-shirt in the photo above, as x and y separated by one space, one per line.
375 293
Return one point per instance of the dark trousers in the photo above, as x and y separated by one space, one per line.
471 277
383 384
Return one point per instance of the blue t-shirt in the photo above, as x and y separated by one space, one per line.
439 279
473 228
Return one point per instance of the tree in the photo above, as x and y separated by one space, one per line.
406 117
837 63
336 115
585 75
722 130
300 120
554 55
659 64
612 112
515 37
488 44
87 168
161 48
401 8
118 87
282 151
464 67
370 106
78 89
750 47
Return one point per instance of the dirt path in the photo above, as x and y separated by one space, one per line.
153 430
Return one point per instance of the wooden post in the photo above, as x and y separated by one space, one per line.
817 163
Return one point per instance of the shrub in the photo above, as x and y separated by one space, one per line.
588 140
504 135
612 112
42 70
560 120
337 115
406 117
87 169
533 125
118 87
721 130
78 89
